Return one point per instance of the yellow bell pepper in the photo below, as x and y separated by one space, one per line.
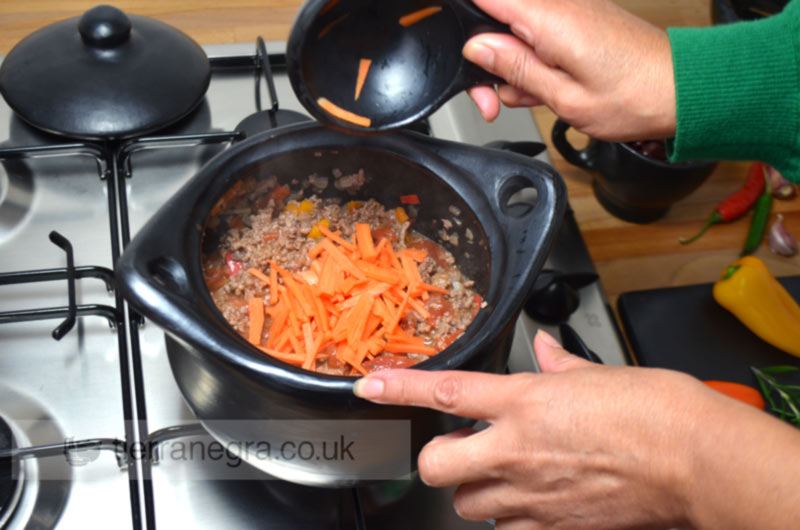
401 214
749 291
315 232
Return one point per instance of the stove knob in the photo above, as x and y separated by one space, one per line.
104 27
554 296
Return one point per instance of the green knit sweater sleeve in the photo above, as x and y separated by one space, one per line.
737 90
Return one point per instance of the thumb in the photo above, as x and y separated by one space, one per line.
512 59
551 357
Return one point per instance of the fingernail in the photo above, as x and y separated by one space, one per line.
547 338
368 388
479 54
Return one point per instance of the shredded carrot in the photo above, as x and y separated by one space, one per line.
337 238
349 302
408 347
258 274
414 17
342 260
292 358
365 243
329 26
342 114
273 282
380 274
411 270
309 344
256 310
297 292
363 69
330 5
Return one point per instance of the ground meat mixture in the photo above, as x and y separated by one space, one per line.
260 221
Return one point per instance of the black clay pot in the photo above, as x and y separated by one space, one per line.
244 397
628 183
104 75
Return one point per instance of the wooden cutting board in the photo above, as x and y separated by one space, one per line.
684 329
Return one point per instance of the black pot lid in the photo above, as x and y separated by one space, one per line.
104 75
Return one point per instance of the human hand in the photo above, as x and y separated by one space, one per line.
581 446
601 69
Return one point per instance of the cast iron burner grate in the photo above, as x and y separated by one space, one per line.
114 166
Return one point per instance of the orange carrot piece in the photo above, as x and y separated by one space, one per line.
291 358
308 339
432 288
316 250
273 282
256 310
361 353
392 325
342 260
363 69
410 269
407 347
373 321
414 17
329 26
339 331
404 338
294 288
298 348
327 280
409 199
342 114
330 5
258 274
381 244
337 238
365 244
380 309
419 307
358 319
279 317
308 276
321 314
380 274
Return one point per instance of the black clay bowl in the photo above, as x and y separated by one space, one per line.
245 398
627 182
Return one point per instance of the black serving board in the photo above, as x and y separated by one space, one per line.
683 328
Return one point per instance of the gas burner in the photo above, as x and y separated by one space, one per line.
10 477
31 490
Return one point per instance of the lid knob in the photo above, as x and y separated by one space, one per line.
104 26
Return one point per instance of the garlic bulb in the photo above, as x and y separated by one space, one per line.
780 240
781 188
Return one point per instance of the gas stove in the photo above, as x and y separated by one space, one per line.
84 383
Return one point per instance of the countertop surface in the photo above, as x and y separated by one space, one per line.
628 256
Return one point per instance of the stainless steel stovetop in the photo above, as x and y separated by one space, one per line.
76 393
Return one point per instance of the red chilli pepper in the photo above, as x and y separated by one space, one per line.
737 204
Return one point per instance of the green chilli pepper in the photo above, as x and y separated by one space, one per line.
759 221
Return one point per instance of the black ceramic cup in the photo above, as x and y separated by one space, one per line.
628 183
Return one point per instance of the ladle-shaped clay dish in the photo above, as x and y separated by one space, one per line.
369 66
